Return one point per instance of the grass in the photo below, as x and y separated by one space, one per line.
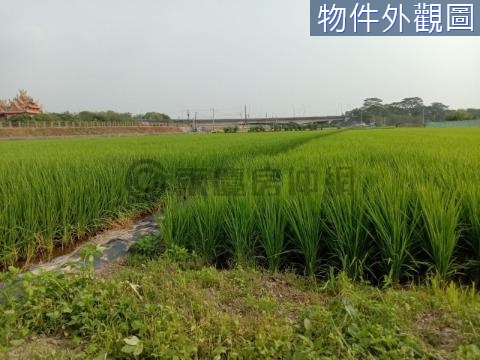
173 308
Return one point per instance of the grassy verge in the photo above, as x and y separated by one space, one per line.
174 307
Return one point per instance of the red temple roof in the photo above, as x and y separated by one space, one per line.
21 104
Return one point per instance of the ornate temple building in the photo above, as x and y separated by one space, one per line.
21 104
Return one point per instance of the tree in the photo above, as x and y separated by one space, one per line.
372 109
155 116
412 106
437 111
458 115
372 103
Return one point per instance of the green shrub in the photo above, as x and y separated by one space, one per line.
147 246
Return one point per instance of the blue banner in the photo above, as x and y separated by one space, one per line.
394 18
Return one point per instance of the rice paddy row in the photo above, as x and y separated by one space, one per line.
384 205
55 192
388 206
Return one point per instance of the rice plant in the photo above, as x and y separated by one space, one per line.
176 222
394 213
415 190
239 220
471 206
208 216
272 222
346 222
55 192
303 213
440 215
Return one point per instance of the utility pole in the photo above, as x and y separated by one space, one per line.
188 118
213 118
246 120
195 122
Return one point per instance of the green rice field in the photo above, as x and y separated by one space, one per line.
384 205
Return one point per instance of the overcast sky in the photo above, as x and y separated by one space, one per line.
170 56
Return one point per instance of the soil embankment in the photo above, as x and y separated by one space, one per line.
26 133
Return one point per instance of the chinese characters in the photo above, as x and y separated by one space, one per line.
390 18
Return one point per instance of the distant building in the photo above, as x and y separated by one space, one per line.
22 104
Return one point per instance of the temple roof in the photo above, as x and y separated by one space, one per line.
3 105
21 104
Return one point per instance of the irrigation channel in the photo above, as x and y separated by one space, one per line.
116 244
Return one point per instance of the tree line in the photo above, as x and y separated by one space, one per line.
90 116
409 111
